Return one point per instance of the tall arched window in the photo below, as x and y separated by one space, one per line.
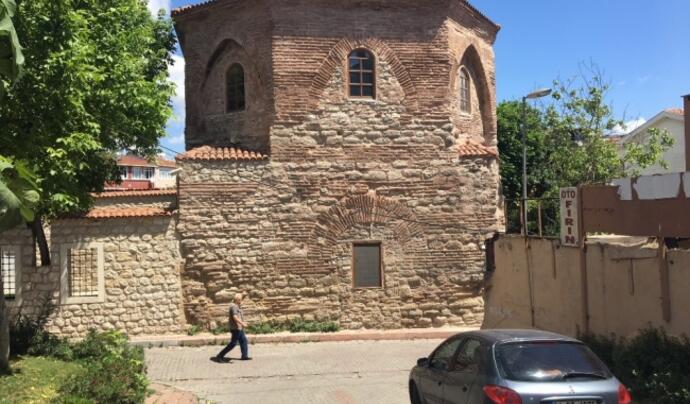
361 70
234 82
464 87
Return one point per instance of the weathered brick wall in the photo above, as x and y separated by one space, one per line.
342 170
142 276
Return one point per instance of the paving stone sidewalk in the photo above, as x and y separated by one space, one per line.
348 372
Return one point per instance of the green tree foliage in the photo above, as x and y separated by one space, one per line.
95 82
11 57
567 142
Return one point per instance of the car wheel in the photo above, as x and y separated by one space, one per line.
415 398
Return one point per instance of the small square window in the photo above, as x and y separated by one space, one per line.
367 265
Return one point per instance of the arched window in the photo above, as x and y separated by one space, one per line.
361 69
465 100
234 81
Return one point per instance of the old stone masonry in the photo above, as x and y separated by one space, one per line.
341 165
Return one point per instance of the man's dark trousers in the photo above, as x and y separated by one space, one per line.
238 336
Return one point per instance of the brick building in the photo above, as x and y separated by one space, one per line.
341 160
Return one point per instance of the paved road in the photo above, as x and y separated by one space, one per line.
367 372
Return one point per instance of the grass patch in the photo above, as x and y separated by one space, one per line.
272 327
35 380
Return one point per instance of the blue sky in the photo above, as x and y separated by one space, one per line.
643 48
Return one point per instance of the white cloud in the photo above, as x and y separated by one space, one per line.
176 71
175 139
155 5
629 126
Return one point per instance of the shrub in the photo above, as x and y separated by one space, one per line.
653 365
24 329
193 330
271 327
221 329
47 344
114 371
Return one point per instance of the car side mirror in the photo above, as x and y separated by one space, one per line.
423 362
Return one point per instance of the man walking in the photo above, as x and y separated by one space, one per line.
237 326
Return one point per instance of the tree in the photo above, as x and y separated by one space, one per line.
95 82
567 142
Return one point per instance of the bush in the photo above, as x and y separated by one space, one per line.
653 365
24 329
193 330
272 327
47 344
114 371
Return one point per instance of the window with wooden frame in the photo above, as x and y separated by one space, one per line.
361 74
464 88
8 271
367 268
234 88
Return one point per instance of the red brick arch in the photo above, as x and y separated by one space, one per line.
338 55
471 60
364 210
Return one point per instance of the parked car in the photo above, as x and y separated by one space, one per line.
514 367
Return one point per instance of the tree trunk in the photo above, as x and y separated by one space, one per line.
40 239
4 333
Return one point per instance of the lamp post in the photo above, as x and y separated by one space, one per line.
523 123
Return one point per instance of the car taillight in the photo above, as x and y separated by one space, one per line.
623 395
502 395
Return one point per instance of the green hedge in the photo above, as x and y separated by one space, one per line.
653 365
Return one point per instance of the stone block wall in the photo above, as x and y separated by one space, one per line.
141 263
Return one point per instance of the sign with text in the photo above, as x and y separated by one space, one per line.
570 231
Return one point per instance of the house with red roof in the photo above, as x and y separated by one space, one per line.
139 173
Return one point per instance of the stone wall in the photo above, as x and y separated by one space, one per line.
141 264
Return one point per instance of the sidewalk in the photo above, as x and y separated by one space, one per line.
286 337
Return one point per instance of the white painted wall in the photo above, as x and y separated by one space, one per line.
675 156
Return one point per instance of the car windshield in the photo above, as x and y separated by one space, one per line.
549 361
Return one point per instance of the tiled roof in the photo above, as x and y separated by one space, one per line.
110 213
165 162
220 153
470 149
136 161
135 193
184 9
676 111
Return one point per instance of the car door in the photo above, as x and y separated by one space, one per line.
459 385
434 375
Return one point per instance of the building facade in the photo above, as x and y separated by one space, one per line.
341 161
139 173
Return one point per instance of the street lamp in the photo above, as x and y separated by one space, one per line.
523 122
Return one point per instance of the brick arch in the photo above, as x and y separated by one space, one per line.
382 52
364 210
224 46
471 60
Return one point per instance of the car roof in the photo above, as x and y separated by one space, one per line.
515 335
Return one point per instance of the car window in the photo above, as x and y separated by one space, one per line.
469 354
444 353
549 361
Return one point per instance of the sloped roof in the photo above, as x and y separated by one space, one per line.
220 153
670 113
135 193
676 111
471 149
111 213
136 161
191 7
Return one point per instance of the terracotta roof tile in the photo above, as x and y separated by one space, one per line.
136 161
110 213
676 111
165 162
220 153
470 149
136 193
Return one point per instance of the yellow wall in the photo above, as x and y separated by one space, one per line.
623 288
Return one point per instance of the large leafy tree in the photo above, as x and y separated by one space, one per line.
95 82
568 142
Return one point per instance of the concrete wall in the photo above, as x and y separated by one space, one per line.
624 289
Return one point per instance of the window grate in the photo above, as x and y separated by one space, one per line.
8 270
465 105
83 272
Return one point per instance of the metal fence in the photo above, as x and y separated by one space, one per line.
543 216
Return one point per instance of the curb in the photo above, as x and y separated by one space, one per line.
284 337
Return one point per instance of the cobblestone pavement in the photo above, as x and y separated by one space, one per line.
366 372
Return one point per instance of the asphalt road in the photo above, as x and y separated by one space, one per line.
366 372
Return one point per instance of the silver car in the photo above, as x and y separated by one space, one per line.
514 367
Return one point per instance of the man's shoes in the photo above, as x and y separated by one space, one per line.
245 359
220 360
